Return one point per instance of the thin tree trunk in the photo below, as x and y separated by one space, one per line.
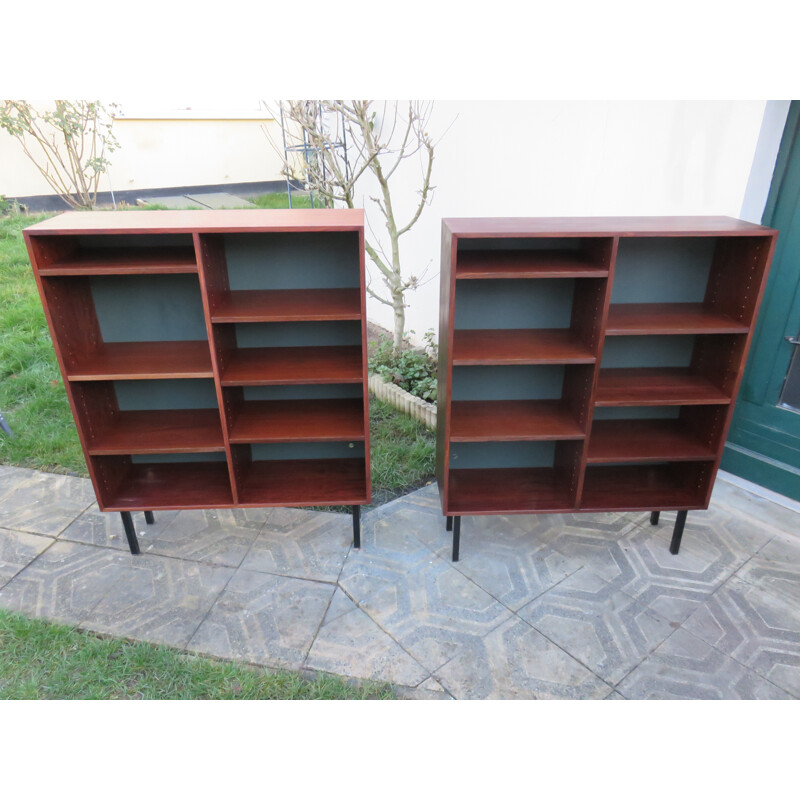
399 319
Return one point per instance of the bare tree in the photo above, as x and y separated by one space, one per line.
68 145
375 145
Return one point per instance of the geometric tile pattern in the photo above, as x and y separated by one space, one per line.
538 607
687 668
38 502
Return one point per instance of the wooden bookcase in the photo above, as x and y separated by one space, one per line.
212 359
591 364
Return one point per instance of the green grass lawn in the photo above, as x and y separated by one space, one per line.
40 660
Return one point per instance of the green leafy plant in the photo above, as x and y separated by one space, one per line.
412 369
68 144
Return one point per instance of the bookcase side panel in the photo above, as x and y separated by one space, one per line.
446 301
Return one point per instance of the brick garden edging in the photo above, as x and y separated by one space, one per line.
404 401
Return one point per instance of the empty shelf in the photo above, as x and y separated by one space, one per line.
656 386
262 366
289 305
195 484
646 487
144 360
527 264
514 490
130 261
304 482
630 319
511 420
166 431
519 346
299 421
644 440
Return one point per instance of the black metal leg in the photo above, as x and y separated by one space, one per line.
677 533
456 536
654 517
357 527
130 532
449 523
149 518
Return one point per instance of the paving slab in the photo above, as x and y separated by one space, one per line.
350 643
757 627
687 668
40 502
264 619
299 543
17 550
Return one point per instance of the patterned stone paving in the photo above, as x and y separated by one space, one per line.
539 607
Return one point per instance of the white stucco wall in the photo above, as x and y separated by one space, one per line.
572 159
167 149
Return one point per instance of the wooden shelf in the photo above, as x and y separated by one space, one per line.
289 305
519 346
656 386
165 431
527 264
506 491
640 488
260 421
144 360
629 319
644 440
130 261
304 482
511 420
262 366
196 484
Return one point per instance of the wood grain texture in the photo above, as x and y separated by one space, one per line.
655 386
327 420
288 305
262 366
513 227
507 491
200 484
205 221
161 431
130 261
144 360
476 264
519 346
629 319
643 440
305 482
645 487
512 420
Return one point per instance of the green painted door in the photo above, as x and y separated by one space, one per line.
764 440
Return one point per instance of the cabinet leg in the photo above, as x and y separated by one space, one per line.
149 518
130 532
357 527
456 536
449 523
654 515
677 533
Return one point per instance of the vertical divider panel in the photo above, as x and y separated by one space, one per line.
447 281
591 304
213 273
364 357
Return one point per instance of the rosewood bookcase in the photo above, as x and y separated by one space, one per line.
212 359
591 364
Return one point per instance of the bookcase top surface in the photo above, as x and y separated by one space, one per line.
478 227
203 221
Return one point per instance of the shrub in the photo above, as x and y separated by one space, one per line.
412 369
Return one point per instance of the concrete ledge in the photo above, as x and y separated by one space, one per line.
406 402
